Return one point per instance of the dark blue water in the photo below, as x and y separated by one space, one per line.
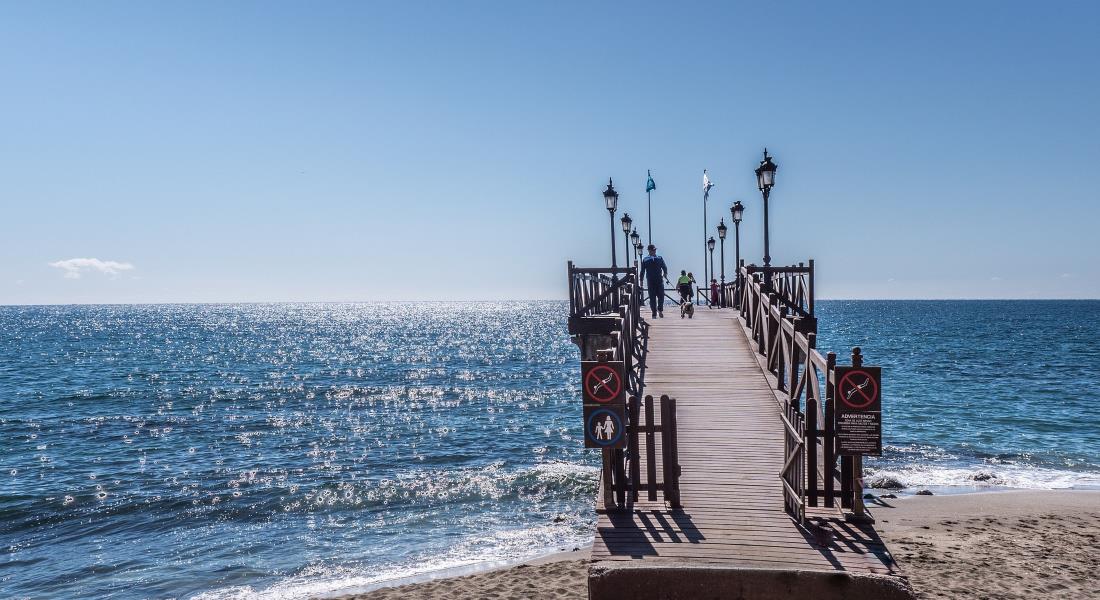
239 451
994 392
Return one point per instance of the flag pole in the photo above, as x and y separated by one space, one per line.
649 187
706 196
649 206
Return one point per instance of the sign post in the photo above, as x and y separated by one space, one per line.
858 414
604 395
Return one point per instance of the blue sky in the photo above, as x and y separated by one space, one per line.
364 151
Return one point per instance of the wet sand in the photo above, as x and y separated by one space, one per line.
998 545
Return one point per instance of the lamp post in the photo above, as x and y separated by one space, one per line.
636 241
722 243
626 221
611 199
736 212
765 179
638 253
710 249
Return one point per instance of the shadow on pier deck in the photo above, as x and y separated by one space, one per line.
732 538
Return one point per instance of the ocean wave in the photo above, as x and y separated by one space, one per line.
476 554
984 475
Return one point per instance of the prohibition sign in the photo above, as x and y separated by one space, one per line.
858 394
603 384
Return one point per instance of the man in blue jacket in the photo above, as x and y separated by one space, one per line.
655 274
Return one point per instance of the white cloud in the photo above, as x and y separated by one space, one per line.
73 267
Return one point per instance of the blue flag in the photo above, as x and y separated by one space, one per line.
649 185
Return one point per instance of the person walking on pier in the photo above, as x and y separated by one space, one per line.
683 285
713 293
655 273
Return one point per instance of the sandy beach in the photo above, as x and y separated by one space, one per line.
998 545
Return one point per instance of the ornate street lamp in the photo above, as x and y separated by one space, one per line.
765 179
722 243
710 248
626 221
737 211
611 199
636 242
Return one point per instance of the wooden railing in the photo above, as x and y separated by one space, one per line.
599 290
777 307
794 285
607 301
605 315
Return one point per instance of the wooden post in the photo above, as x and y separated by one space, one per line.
608 485
669 453
572 291
650 451
619 473
811 434
829 441
859 509
632 441
848 463
810 300
793 363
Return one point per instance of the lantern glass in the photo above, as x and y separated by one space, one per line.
634 237
765 173
626 221
611 197
737 210
710 243
722 229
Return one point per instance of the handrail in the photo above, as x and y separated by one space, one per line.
606 303
776 306
793 284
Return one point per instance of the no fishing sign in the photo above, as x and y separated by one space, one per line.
857 410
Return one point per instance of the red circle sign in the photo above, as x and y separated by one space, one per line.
858 389
602 384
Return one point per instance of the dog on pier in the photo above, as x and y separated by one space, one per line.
687 309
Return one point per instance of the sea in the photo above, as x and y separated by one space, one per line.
242 451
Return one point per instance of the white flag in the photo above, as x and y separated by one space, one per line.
706 183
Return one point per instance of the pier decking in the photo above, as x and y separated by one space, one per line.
732 531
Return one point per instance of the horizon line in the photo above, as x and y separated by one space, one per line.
472 301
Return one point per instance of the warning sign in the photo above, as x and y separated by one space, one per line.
602 382
858 410
604 426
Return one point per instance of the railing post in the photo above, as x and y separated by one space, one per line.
810 293
632 442
793 364
779 349
859 509
669 454
811 433
572 290
829 441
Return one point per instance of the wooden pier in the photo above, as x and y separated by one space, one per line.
758 508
